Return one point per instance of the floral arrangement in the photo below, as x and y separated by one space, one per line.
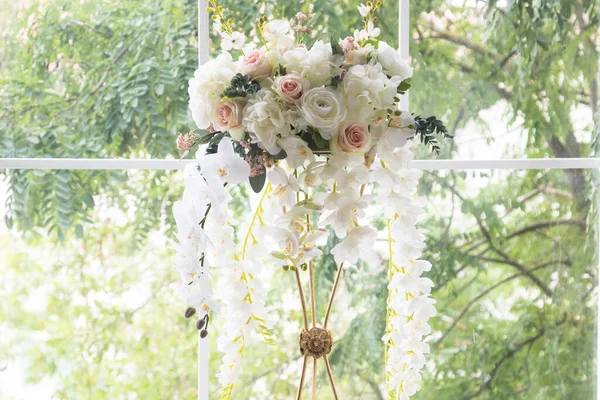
321 122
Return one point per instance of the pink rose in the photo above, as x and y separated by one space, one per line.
257 65
228 117
353 137
291 87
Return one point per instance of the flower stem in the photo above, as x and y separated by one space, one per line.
332 296
314 381
302 300
330 375
257 212
304 364
388 318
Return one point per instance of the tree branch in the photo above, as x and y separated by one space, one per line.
548 224
492 288
108 69
514 349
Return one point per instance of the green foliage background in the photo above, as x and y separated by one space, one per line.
514 252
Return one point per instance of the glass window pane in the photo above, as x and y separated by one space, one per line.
95 79
515 270
509 79
515 267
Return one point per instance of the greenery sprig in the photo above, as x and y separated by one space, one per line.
241 86
370 15
427 128
260 27
219 17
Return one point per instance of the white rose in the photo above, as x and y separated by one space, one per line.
324 109
275 29
206 86
393 64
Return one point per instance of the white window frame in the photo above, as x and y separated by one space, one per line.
171 164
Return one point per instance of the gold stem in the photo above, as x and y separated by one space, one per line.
313 303
333 292
304 314
304 363
330 375
314 382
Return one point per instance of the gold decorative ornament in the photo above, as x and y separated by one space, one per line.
316 342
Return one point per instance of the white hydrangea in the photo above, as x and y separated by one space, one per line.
368 91
314 65
206 86
392 62
268 119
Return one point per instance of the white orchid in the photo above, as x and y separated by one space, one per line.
197 192
353 178
358 243
407 283
349 208
188 228
286 186
199 298
311 176
297 151
294 243
409 179
224 167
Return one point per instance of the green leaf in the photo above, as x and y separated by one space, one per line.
258 182
335 46
280 156
404 86
79 231
159 89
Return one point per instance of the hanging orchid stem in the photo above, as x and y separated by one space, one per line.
389 297
257 212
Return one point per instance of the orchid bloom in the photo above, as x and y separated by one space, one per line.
224 167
